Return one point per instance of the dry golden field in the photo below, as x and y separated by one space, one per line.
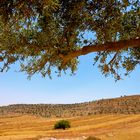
106 127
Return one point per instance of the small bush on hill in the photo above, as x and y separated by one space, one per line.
93 138
62 124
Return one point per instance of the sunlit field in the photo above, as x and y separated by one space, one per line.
106 127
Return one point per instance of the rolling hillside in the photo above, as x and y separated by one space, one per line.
122 105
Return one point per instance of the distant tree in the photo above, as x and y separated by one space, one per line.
92 138
62 124
46 34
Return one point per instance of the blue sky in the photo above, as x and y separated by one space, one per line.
88 84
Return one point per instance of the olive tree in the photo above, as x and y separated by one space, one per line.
47 35
62 124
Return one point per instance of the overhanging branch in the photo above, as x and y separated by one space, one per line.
110 46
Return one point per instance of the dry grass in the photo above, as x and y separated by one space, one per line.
106 127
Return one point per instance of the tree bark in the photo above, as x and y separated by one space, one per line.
110 46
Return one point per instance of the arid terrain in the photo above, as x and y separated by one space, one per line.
106 126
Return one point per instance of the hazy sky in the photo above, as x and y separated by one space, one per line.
88 84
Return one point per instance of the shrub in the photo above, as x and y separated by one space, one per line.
62 124
93 138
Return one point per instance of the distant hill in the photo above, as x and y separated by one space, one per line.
122 105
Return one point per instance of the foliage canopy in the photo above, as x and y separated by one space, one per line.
62 124
92 138
43 35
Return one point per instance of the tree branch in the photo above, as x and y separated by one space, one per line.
110 46
112 60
